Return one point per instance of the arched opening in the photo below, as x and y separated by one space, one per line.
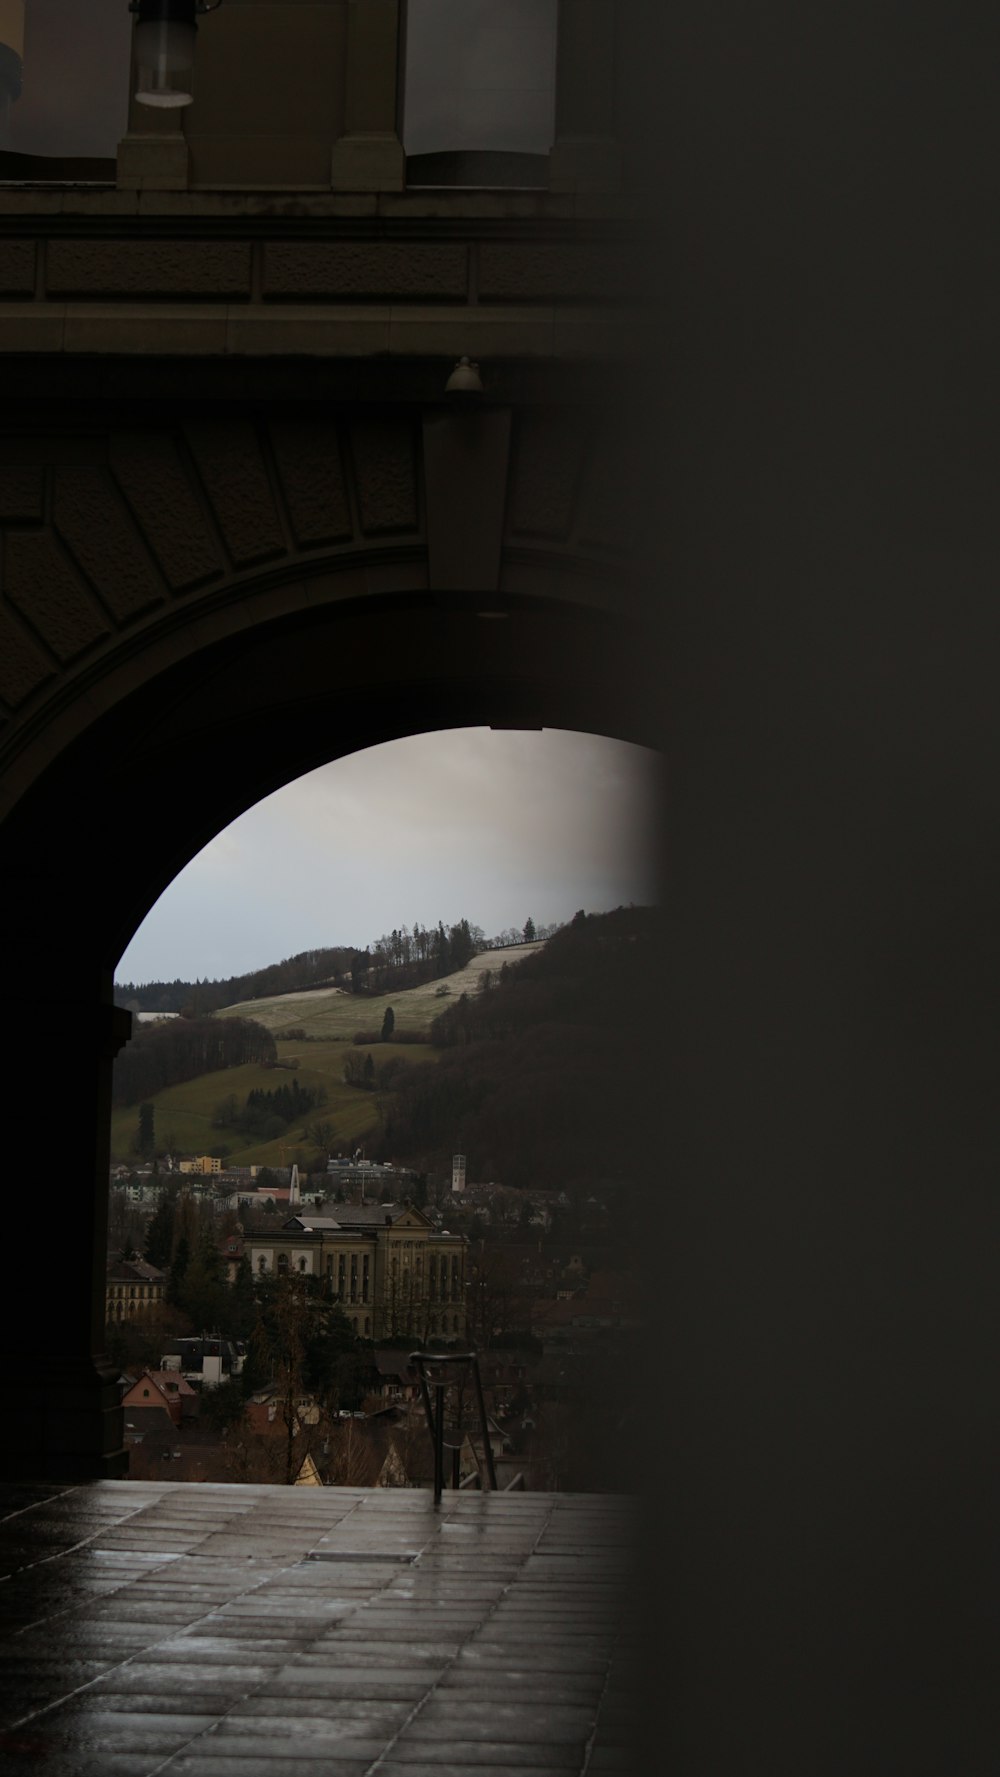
470 819
139 788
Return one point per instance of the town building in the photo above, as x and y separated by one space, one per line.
133 1287
204 1361
369 1177
157 1391
390 1270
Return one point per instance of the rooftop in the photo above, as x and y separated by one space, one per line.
154 1627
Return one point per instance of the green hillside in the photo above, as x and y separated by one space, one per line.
335 1013
185 1112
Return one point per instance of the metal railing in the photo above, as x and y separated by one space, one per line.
444 1370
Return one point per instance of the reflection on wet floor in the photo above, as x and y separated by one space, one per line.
150 1627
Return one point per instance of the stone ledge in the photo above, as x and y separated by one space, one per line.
282 202
348 330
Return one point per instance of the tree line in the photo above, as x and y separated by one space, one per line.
181 1049
400 958
264 1116
197 999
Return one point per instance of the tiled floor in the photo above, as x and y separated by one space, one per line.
224 1631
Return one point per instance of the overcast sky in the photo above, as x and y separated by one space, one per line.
489 827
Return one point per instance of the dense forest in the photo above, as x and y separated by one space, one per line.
162 1055
198 999
545 1070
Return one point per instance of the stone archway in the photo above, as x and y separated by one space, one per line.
179 657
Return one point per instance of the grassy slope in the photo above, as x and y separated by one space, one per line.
332 1013
185 1111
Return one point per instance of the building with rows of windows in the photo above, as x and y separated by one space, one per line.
385 1264
133 1287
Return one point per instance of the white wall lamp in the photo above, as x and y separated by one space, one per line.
164 48
464 379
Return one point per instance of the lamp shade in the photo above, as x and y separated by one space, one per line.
164 52
464 379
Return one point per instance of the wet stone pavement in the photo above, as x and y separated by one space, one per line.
227 1631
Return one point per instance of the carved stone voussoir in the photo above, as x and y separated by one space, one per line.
309 464
232 470
95 528
23 666
385 471
20 491
40 583
149 471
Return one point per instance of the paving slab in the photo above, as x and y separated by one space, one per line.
152 1630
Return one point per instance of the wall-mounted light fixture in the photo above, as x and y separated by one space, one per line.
164 48
464 379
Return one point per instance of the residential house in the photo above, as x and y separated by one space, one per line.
158 1391
206 1361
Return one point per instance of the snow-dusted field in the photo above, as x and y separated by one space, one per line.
330 1012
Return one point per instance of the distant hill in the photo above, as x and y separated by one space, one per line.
308 1035
541 1074
535 1061
200 998
335 1012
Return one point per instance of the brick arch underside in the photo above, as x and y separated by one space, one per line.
195 614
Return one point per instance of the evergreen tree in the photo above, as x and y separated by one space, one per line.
388 1024
257 1364
145 1139
224 1406
529 930
160 1234
204 1292
178 1272
242 1308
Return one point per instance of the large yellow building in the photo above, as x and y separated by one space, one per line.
132 1288
385 1264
